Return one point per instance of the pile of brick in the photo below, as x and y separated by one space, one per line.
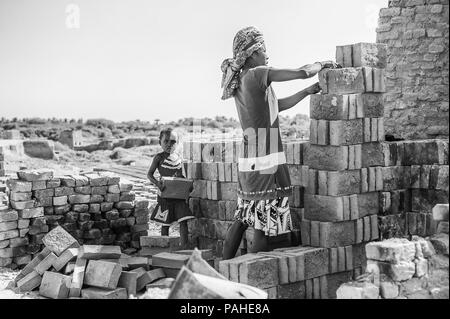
64 269
95 208
415 178
397 269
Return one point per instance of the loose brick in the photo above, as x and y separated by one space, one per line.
16 185
98 293
55 285
102 274
337 234
58 240
77 277
67 256
29 282
95 252
128 280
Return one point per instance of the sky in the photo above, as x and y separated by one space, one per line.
147 60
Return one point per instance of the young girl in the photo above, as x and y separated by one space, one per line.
264 183
168 163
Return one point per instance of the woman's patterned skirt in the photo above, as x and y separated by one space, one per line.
272 216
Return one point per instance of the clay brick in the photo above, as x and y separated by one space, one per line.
306 232
55 285
29 204
67 256
79 199
98 293
14 196
102 274
350 80
64 191
16 185
29 282
58 240
96 252
128 280
8 215
38 185
337 234
345 132
52 183
210 171
260 273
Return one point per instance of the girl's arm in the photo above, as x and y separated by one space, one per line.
151 172
290 101
305 72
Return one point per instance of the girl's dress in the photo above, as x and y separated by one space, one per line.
170 210
264 183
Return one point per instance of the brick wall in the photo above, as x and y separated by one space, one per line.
417 36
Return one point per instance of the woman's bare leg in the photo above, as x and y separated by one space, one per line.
233 239
184 233
260 242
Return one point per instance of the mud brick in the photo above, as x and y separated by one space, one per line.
99 190
100 293
64 191
333 260
52 183
141 219
112 197
112 214
48 210
372 154
97 199
4 226
80 208
68 255
44 202
345 132
326 158
35 230
39 185
323 130
374 231
337 183
45 264
260 273
442 178
169 260
79 199
102 274
440 212
58 240
22 232
29 282
104 207
16 185
128 280
369 54
60 201
127 196
39 194
71 217
82 217
337 234
54 285
423 200
227 191
22 260
347 80
85 225
12 252
305 232
120 222
125 213
84 190
67 181
22 204
125 186
18 242
124 205
31 213
4 243
139 228
96 252
15 196
9 215
77 277
210 171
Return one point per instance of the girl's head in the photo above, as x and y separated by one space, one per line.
168 140
248 50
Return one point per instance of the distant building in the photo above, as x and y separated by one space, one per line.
71 138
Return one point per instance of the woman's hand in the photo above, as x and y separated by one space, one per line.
313 89
330 65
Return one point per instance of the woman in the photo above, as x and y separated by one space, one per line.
264 183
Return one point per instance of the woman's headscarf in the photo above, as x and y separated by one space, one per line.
246 41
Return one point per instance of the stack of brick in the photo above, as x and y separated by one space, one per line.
415 178
94 208
152 245
345 152
64 269
396 269
213 166
2 163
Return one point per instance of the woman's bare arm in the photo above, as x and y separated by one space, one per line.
305 72
288 102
